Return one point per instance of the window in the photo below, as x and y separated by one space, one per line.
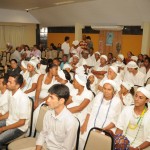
43 36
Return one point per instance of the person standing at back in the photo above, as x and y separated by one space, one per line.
65 46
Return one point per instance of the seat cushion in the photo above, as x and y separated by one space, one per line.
22 144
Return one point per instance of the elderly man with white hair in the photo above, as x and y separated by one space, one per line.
133 75
134 121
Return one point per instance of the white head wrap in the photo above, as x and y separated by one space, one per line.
95 79
121 57
76 56
97 53
148 87
24 64
81 79
132 64
33 63
75 43
114 68
112 83
73 51
61 75
144 91
127 85
105 57
80 70
85 51
134 58
67 66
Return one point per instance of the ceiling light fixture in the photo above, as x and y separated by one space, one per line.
116 28
33 8
64 2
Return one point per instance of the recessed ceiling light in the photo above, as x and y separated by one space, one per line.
64 2
33 8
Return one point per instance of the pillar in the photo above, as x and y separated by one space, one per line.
146 39
78 31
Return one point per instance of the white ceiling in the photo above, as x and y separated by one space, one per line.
95 12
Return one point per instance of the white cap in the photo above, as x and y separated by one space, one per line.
127 85
61 75
121 57
144 91
134 58
132 64
81 79
75 43
85 51
67 66
112 83
114 68
105 57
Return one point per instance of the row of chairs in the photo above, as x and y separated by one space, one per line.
103 141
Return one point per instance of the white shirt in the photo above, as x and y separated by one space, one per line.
138 79
4 102
99 68
19 108
107 106
59 132
77 100
65 47
144 132
87 61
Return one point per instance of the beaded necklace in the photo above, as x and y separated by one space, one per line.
106 113
139 121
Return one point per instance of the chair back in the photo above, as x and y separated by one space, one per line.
99 139
39 124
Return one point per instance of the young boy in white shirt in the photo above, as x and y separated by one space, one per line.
16 121
59 125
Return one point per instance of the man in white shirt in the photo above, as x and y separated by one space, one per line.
4 96
59 125
65 46
16 121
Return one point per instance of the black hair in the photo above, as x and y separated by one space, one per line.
65 55
50 66
60 90
132 91
88 86
56 59
44 61
67 38
148 58
14 60
18 78
35 46
67 75
5 78
88 37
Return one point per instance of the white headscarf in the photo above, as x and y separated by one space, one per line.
112 83
144 91
132 64
61 75
67 66
121 57
114 68
127 85
80 70
104 56
81 79
24 64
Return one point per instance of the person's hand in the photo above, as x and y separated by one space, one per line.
83 128
35 105
1 129
132 148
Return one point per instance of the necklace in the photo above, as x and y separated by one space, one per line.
139 121
133 127
106 113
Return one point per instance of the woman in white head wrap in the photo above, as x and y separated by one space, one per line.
134 121
93 82
112 74
102 68
31 81
79 102
68 68
105 111
125 93
24 71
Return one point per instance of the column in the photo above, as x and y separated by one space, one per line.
146 39
78 31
